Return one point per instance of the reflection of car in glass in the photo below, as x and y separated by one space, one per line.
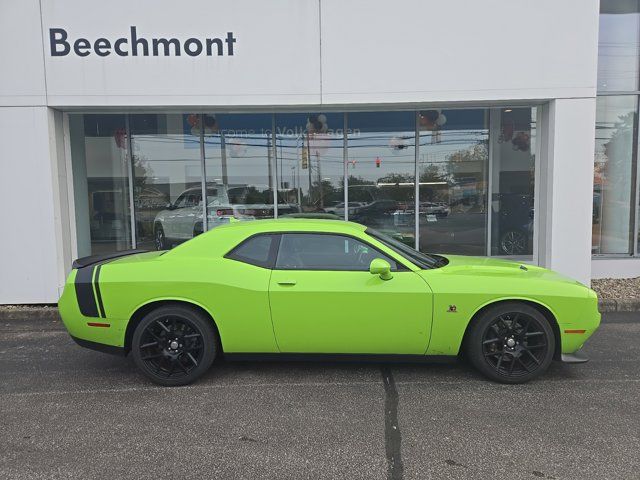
182 219
434 208
514 223
463 229
147 203
257 201
376 213
338 209
289 287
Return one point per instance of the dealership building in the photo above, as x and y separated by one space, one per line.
497 128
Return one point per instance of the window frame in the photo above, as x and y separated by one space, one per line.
400 266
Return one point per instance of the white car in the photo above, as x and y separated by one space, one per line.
182 219
338 209
435 208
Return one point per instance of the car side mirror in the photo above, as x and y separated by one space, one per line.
381 267
171 206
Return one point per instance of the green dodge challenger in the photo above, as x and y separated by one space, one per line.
308 288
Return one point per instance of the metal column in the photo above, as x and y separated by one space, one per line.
203 179
131 174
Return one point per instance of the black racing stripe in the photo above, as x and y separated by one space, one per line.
98 295
84 292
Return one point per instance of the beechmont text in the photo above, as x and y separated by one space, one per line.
136 45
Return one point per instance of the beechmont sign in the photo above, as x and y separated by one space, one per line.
136 45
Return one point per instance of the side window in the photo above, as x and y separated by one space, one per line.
311 251
193 199
179 203
258 250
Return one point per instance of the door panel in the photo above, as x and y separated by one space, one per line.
350 312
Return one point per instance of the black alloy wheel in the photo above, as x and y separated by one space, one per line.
513 242
159 239
174 345
511 343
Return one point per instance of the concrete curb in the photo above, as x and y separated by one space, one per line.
50 312
619 305
25 312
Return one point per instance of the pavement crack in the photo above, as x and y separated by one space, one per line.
392 437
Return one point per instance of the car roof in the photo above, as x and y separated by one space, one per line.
296 224
222 239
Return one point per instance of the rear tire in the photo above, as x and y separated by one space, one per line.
510 343
174 345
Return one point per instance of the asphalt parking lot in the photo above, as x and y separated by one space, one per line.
67 412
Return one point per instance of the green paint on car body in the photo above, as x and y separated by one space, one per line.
259 310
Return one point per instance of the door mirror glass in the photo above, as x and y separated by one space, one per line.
380 267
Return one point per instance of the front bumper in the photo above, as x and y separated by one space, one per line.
575 357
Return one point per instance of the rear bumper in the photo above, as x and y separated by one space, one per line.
100 347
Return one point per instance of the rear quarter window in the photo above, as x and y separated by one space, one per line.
258 250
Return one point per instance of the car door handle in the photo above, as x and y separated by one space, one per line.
287 282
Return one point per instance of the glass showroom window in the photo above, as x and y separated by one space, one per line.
613 174
239 166
100 162
167 180
475 169
513 134
453 167
381 172
619 45
310 162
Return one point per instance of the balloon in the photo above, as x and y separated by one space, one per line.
441 120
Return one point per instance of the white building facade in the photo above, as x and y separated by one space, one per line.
460 127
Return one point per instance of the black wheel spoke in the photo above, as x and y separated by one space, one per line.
156 337
181 365
491 340
525 326
523 364
164 327
514 323
493 354
195 362
149 357
533 334
500 361
150 344
537 345
532 356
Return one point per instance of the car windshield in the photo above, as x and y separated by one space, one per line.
217 196
422 260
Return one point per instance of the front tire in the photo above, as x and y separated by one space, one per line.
159 238
510 343
513 242
174 345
